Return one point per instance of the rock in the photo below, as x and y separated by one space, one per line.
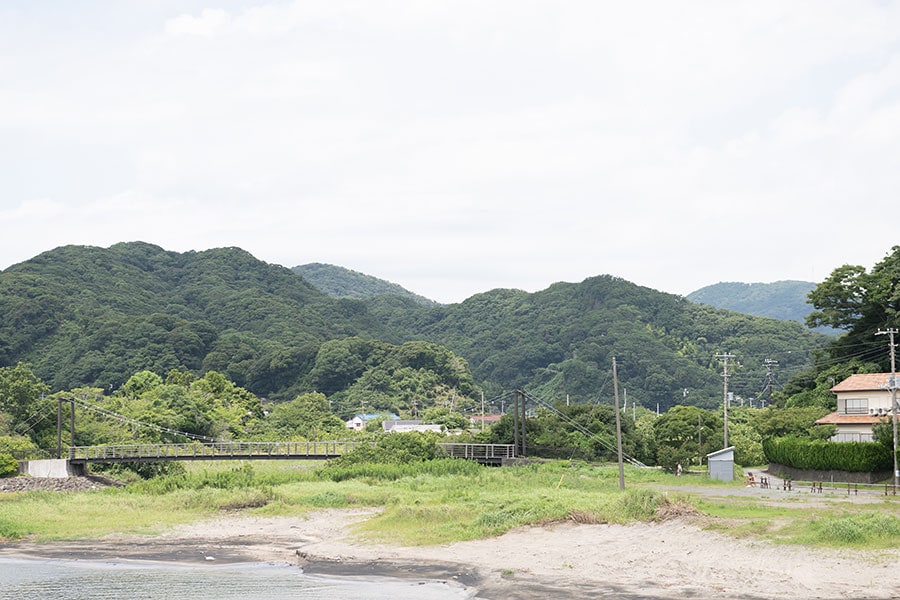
68 484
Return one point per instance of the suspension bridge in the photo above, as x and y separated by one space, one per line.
80 456
204 448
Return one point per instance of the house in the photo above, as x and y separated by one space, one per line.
358 422
400 426
862 401
487 420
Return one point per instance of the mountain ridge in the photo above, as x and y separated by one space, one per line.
90 316
341 282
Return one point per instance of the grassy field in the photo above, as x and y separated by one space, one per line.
451 500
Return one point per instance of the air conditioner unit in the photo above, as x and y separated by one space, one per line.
883 411
873 411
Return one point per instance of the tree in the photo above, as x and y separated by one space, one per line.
141 383
306 416
336 366
22 398
444 417
687 434
790 422
858 302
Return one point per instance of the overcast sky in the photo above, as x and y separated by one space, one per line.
455 147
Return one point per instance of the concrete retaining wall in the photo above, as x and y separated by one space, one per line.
50 468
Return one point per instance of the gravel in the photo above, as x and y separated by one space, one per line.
68 484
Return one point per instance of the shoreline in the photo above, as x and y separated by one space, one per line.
670 560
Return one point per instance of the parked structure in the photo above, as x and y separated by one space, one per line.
721 464
401 426
358 422
862 401
488 420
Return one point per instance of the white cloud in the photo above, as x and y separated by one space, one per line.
208 24
458 146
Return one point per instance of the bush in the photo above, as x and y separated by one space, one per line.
9 466
441 467
669 458
820 455
394 448
20 447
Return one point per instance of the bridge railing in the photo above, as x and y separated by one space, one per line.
216 450
488 453
483 452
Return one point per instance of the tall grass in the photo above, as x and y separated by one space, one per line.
429 502
860 530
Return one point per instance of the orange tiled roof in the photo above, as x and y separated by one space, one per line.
863 382
836 418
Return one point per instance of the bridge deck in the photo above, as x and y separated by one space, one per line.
80 455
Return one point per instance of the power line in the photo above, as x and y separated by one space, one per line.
137 423
580 428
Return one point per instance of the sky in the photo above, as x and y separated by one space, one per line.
454 147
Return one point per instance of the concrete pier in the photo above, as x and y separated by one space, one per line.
48 468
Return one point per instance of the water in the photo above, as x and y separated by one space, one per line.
26 579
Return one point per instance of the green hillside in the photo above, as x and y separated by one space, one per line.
93 316
786 300
560 342
339 282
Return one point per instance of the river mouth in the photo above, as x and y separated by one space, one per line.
74 579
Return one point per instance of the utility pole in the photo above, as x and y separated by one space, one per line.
524 400
725 357
482 412
59 418
618 426
892 386
516 420
699 441
770 379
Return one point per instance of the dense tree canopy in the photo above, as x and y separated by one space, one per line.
560 342
860 303
92 317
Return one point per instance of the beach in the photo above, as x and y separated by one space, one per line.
673 559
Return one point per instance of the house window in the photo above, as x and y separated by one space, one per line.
857 406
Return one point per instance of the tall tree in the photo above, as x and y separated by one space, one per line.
22 398
860 302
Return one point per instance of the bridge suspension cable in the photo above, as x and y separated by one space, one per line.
134 422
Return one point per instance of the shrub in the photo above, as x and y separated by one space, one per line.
394 448
9 466
820 455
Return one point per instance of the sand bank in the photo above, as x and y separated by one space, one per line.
675 559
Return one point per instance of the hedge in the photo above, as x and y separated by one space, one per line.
821 455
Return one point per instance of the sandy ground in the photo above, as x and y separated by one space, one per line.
675 559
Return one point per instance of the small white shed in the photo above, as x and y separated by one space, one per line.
721 464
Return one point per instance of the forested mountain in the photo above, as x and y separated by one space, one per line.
93 316
785 300
339 282
560 342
